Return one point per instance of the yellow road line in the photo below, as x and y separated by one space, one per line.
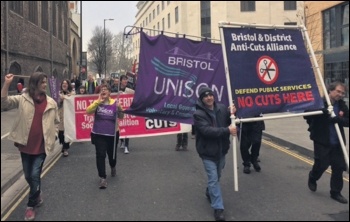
289 152
24 192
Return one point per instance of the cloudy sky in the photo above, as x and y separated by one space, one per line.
94 13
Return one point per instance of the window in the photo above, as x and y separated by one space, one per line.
168 20
176 15
150 17
44 15
247 6
162 23
290 23
17 7
154 13
336 26
168 2
290 5
162 5
54 28
337 71
33 11
345 24
205 19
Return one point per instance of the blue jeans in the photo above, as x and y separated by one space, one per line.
213 170
32 168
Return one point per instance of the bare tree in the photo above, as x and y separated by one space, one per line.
97 49
122 47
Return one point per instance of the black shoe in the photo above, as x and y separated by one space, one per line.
207 195
257 167
219 215
312 184
338 197
246 169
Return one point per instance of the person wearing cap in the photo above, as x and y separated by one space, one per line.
213 129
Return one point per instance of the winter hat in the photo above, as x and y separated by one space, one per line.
204 91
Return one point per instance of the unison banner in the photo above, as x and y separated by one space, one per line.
171 71
270 71
78 124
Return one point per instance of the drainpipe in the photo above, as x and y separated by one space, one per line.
7 38
51 34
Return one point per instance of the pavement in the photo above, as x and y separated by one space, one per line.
289 132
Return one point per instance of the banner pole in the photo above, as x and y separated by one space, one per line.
228 82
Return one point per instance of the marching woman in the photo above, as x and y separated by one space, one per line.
105 131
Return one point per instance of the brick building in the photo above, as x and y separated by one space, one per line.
35 36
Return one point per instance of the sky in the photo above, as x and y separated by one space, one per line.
94 13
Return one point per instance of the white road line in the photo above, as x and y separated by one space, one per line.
4 136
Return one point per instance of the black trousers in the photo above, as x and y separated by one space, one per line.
250 143
182 139
324 157
104 147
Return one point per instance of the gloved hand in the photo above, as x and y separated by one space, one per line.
325 111
335 119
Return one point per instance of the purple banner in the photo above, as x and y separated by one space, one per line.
54 86
270 71
171 71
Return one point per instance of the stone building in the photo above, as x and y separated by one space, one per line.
36 36
327 23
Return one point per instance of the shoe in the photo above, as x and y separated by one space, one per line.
126 151
29 214
184 148
113 171
312 184
258 160
207 195
177 147
65 153
257 167
246 169
103 183
39 200
193 137
338 197
219 215
122 145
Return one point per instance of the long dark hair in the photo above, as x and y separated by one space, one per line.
35 81
70 88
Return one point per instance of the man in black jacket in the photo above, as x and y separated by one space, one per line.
327 149
213 130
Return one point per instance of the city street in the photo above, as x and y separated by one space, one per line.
156 183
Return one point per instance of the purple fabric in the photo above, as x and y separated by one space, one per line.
105 119
54 86
171 72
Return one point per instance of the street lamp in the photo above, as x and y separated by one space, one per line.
104 43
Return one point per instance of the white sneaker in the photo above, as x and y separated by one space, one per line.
122 145
126 151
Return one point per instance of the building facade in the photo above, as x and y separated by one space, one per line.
200 19
328 27
35 36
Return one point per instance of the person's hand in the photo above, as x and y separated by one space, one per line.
9 78
335 119
233 130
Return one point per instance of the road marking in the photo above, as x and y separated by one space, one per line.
25 191
4 136
304 159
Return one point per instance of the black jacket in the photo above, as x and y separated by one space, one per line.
212 141
319 124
